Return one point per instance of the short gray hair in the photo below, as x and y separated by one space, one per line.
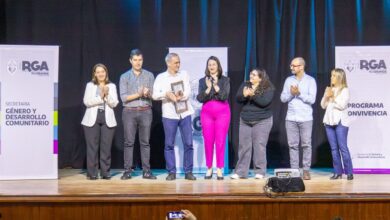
169 56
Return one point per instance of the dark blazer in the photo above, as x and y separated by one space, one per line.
222 95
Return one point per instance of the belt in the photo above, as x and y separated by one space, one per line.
139 108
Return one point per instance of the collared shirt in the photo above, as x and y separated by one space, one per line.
299 107
336 109
130 84
162 85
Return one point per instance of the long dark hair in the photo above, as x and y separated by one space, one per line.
207 72
265 83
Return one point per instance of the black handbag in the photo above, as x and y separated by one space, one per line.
284 185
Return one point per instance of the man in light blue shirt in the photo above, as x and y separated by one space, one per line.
299 91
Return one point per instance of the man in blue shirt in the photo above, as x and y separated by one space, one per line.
299 91
135 89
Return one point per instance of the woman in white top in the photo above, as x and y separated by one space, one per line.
335 103
99 122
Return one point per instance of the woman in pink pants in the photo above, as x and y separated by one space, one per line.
215 115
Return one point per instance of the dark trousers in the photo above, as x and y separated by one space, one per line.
337 137
99 137
170 129
134 120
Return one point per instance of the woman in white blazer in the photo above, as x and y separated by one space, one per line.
335 102
99 122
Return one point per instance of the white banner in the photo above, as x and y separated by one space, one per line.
368 78
194 61
28 140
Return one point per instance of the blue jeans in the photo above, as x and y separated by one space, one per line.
170 129
337 137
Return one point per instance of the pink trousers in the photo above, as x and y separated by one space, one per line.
215 120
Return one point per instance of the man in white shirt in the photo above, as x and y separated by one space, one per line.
172 87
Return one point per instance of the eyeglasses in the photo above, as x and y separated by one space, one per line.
293 66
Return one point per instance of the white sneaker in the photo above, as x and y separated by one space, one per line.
235 176
259 176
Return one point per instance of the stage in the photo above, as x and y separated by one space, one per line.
72 196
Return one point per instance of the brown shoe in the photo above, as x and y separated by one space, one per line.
306 175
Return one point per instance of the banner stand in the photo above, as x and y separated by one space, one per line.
193 60
368 79
29 112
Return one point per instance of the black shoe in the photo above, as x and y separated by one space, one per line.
350 177
208 177
106 177
126 176
219 177
335 176
148 175
92 178
171 176
189 176
210 172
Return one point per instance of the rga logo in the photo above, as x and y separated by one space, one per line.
373 66
12 67
350 65
36 67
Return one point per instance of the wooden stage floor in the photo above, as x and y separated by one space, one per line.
73 197
73 182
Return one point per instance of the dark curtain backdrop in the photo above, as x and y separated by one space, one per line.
265 33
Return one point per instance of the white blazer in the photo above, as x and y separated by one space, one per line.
92 102
336 110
